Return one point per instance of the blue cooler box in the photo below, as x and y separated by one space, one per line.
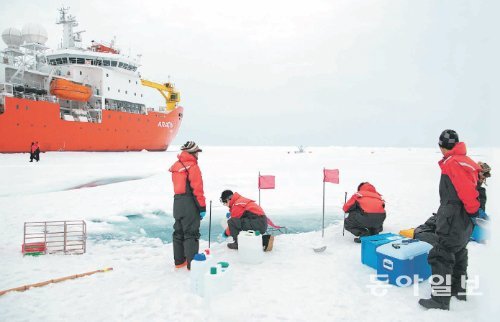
369 245
399 261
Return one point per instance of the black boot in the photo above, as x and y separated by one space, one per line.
459 293
232 245
433 304
357 240
267 242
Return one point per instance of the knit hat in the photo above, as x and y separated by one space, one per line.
448 139
226 195
190 147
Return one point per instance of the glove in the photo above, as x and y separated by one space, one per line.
222 237
228 215
202 214
483 215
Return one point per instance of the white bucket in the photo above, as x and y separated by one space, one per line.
250 247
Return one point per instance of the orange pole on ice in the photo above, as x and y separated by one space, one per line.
56 280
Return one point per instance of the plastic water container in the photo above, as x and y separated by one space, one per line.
250 247
199 266
212 282
226 280
217 280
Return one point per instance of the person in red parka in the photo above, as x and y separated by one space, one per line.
366 210
244 214
459 204
189 204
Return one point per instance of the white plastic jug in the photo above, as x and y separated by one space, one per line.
217 280
199 266
250 247
212 281
226 277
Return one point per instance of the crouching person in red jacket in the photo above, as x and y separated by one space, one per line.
244 214
366 210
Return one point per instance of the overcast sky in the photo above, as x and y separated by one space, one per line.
316 72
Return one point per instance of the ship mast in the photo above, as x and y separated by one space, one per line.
68 21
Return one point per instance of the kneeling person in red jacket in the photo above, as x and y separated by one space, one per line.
366 210
244 214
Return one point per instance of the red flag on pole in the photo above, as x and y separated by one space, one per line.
266 182
331 175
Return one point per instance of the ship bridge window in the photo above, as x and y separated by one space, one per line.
64 60
58 61
120 64
52 62
72 60
106 63
80 60
113 63
98 62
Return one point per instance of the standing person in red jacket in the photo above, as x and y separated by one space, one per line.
366 210
244 214
32 151
459 203
36 154
189 204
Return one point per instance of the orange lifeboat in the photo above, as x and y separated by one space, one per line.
69 90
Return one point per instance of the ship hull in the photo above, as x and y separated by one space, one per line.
25 121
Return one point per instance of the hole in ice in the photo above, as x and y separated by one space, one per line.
159 224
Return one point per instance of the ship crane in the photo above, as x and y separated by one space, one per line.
167 90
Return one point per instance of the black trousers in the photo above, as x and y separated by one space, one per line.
449 257
249 221
364 225
186 233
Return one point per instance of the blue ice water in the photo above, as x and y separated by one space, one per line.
159 224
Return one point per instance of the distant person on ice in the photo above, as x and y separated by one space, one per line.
459 204
244 214
366 210
37 151
189 204
34 151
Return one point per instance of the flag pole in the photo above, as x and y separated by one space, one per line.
323 224
209 223
343 224
258 184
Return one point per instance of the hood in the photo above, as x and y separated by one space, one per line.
458 149
367 187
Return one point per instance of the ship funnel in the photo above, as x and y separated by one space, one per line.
34 33
12 37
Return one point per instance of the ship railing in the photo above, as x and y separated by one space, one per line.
6 89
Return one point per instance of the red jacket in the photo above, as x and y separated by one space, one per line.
180 175
238 205
368 199
463 173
